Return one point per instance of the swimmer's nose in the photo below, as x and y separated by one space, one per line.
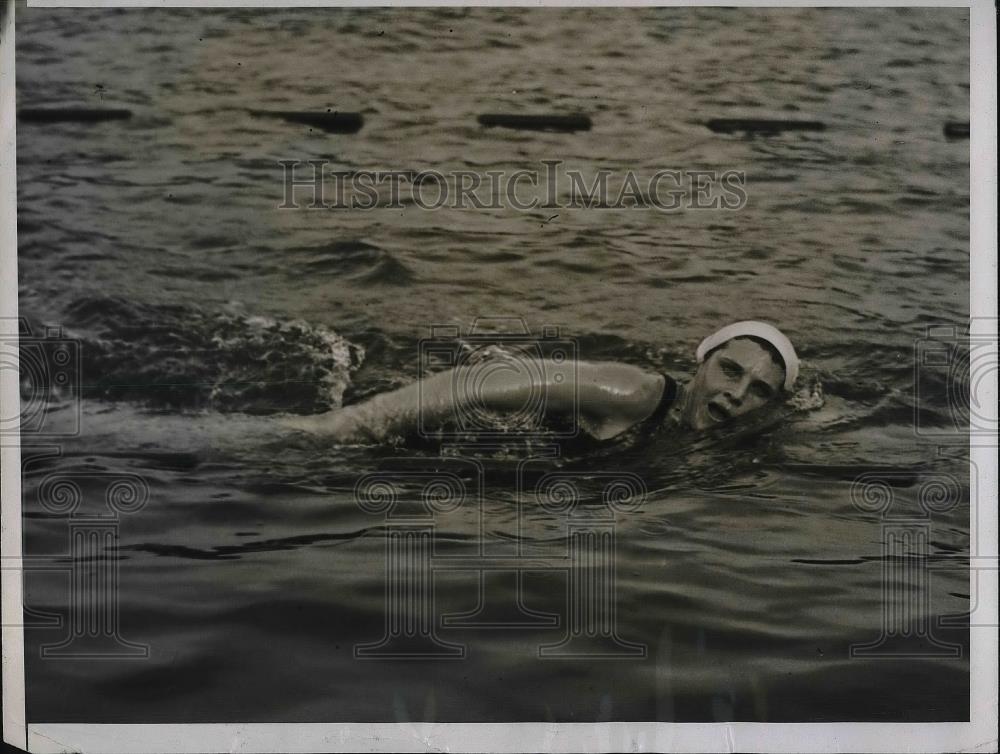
737 395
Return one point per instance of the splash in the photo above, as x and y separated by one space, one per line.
186 357
809 397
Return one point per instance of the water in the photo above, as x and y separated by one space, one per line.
202 311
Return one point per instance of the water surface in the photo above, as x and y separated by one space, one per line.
203 310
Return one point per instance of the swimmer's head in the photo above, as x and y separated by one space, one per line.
742 368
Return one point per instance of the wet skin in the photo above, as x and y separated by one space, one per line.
736 379
608 397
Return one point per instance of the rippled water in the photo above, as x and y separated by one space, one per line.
202 310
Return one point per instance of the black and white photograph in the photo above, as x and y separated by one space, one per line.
498 378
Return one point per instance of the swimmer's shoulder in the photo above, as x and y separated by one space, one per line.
640 395
658 393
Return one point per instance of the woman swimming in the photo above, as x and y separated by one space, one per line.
742 368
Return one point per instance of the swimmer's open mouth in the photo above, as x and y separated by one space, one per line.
718 413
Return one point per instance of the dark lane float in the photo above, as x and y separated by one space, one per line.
71 114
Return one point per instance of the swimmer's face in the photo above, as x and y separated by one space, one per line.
737 378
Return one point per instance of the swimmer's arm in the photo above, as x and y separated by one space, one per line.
607 397
611 397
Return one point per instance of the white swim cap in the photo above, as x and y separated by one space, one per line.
762 330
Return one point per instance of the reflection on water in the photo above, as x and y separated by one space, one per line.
752 566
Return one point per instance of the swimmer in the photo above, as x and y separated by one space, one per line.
742 368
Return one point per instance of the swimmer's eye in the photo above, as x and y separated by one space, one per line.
731 369
762 390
